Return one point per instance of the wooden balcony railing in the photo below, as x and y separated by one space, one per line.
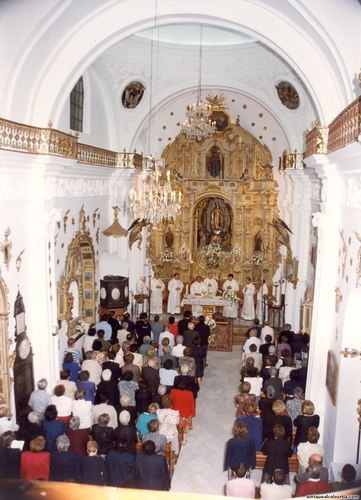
47 141
345 128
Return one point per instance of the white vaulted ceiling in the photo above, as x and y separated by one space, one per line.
248 47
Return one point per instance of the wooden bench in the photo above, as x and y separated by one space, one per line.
169 456
261 460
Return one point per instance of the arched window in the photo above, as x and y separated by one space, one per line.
77 106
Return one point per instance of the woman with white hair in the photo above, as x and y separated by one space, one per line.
78 437
124 404
64 464
108 385
82 409
125 431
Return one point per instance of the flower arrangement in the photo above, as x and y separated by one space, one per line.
213 254
210 322
183 251
232 296
166 256
256 259
236 251
82 327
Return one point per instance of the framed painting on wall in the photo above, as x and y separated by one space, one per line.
331 376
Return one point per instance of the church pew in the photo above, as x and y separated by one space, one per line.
261 460
169 456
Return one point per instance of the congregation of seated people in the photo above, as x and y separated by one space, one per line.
275 425
121 401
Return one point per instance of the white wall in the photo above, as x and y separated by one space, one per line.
331 330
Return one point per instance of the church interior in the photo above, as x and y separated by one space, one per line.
98 106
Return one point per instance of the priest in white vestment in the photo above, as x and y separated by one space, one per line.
175 287
198 289
142 289
248 304
231 311
212 285
156 301
261 306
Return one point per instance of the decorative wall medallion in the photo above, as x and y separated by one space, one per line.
288 95
6 248
132 95
338 298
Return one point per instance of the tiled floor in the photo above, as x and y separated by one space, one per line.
200 464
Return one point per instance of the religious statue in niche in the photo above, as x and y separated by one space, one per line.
169 237
132 95
258 241
214 164
214 223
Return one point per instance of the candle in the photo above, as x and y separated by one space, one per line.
187 289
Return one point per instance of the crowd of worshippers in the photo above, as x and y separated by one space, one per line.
130 383
274 419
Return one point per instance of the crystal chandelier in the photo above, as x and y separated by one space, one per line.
198 124
155 200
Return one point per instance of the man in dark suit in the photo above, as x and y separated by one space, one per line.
112 366
151 470
189 335
192 384
183 323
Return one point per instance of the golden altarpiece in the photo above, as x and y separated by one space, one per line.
229 201
76 287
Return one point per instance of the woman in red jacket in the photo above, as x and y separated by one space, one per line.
35 464
183 401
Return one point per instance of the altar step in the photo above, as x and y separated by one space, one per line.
239 333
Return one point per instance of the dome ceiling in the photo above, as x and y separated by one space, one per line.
234 64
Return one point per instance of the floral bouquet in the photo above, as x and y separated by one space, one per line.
213 254
256 259
232 296
210 322
82 327
166 256
236 251
183 251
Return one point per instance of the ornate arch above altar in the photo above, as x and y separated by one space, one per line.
229 204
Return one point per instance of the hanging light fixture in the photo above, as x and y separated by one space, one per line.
198 124
155 200
115 229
